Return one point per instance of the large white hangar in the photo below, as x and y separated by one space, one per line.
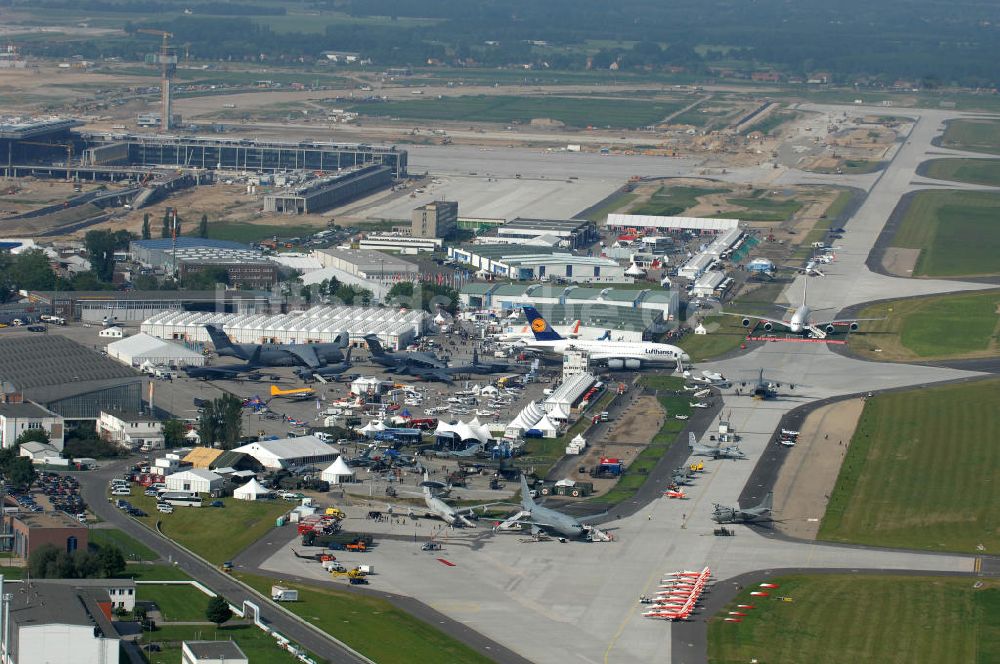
624 222
395 328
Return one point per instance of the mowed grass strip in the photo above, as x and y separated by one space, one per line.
973 135
922 472
848 618
976 171
670 201
939 327
176 603
957 232
215 533
130 547
372 626
572 111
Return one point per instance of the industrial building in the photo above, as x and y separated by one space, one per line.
328 192
187 256
66 378
394 328
31 530
537 263
122 306
212 652
639 222
437 219
506 297
368 264
401 244
571 233
16 418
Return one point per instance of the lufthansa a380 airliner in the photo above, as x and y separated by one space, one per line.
616 354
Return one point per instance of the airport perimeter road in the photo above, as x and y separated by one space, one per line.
93 487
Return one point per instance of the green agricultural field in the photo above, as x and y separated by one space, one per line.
130 547
672 201
922 472
214 533
973 135
573 111
372 626
176 603
938 327
956 231
862 618
976 171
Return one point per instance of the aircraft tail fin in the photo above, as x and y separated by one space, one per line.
539 326
527 502
606 336
374 345
222 342
805 287
254 360
767 503
275 391
347 357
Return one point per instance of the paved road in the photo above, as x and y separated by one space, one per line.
93 486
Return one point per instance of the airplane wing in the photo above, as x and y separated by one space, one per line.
304 353
763 319
844 321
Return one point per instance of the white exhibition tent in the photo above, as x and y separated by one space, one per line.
252 490
337 472
140 348
548 428
464 431
369 429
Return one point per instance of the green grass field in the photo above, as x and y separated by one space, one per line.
214 533
241 232
131 548
761 207
922 472
862 618
177 603
938 327
973 135
371 626
573 111
670 201
976 171
146 572
956 231
612 204
726 334
255 644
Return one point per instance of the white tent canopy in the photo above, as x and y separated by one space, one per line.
252 490
336 472
369 429
548 428
464 430
141 348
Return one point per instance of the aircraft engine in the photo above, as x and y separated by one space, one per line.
854 326
830 329
746 322
632 364
615 364
768 327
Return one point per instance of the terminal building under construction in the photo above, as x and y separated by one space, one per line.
50 147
